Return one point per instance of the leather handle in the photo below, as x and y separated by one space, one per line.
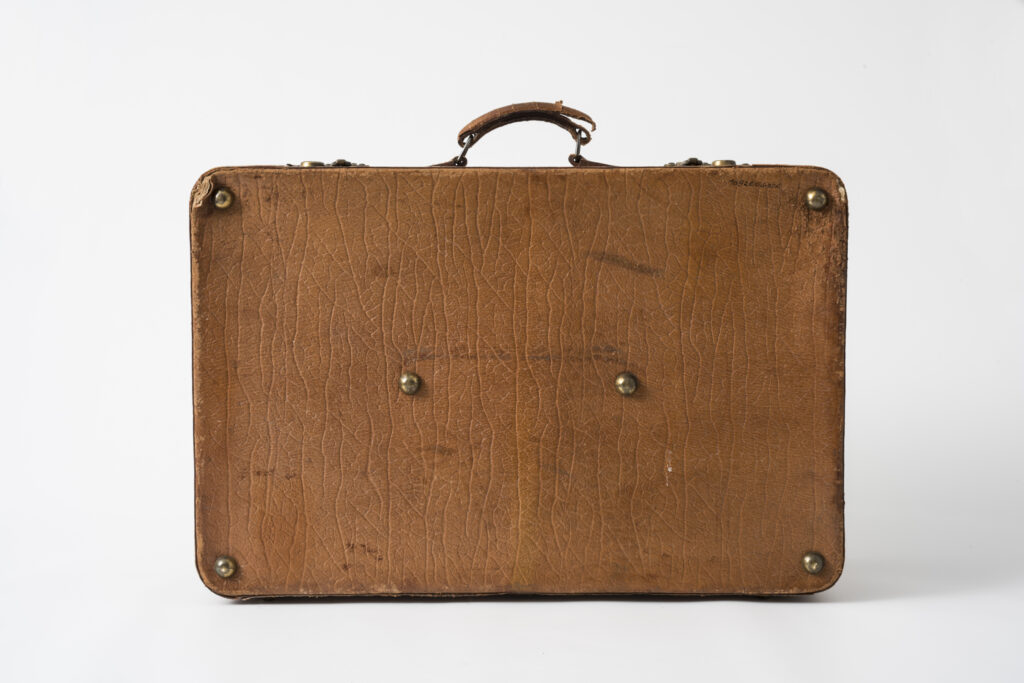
553 112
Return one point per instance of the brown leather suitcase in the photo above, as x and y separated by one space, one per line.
460 381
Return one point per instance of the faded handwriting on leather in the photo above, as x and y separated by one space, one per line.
606 353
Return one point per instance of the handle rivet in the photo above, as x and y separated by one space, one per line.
813 563
225 567
723 162
816 198
625 383
409 383
222 198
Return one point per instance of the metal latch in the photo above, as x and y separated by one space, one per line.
335 163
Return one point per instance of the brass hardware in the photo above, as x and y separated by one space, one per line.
816 199
222 198
337 163
225 567
813 563
409 383
461 159
723 162
692 161
625 383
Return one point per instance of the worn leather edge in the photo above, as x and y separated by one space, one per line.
469 169
201 190
838 281
653 595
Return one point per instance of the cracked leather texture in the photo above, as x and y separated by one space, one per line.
517 295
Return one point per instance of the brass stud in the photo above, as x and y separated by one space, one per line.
222 198
625 383
311 164
723 162
816 198
409 383
813 563
225 567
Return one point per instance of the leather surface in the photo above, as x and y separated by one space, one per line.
518 295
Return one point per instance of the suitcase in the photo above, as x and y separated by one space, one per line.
450 380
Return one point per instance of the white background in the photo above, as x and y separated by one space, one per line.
110 111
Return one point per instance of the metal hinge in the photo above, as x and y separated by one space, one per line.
694 161
336 163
